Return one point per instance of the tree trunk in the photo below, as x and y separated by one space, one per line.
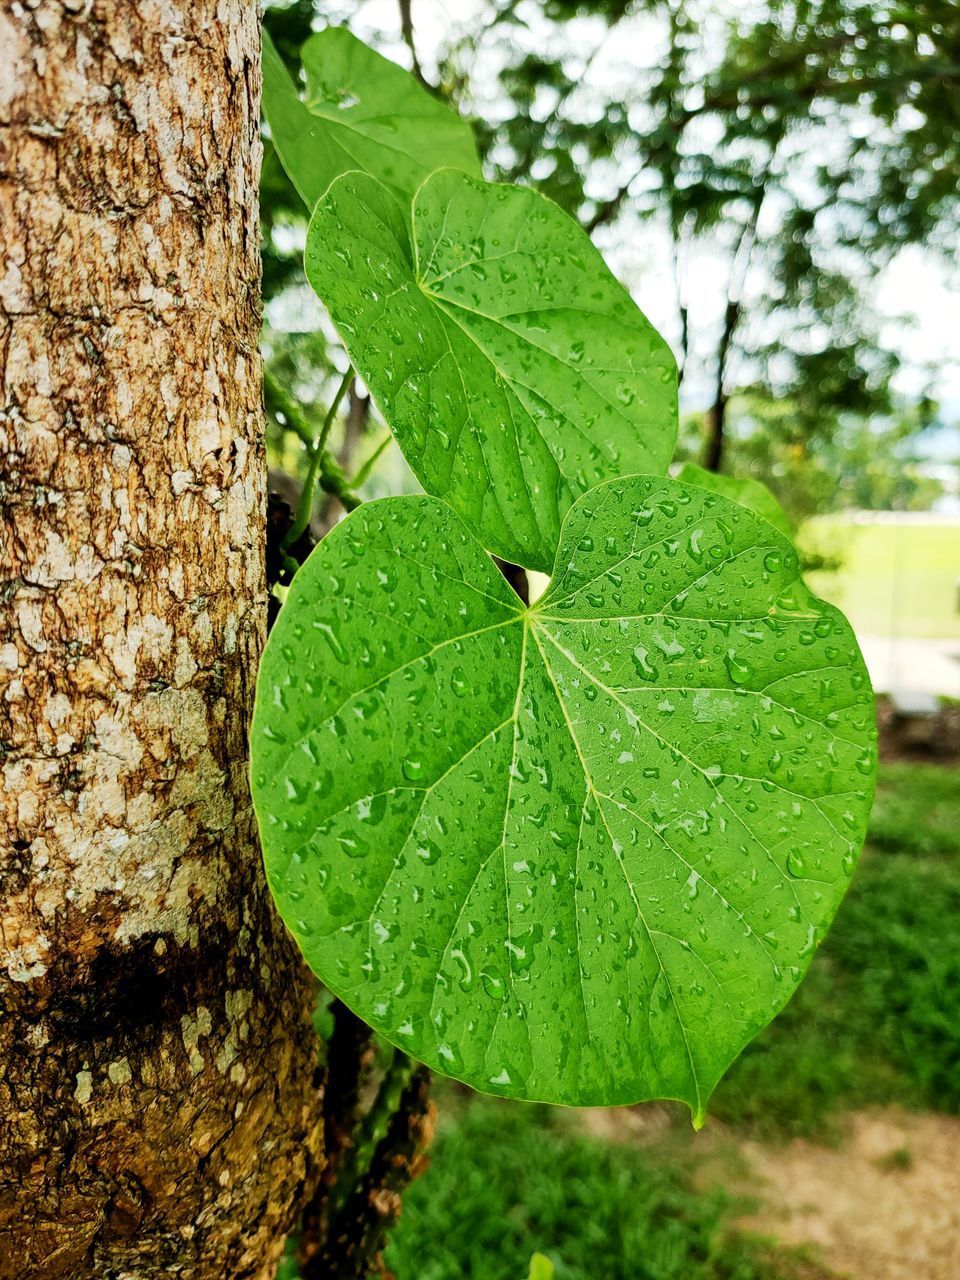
715 423
158 1105
717 413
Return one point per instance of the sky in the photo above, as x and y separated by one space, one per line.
919 306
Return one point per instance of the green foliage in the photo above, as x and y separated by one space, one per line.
359 112
288 1269
833 133
623 816
512 367
580 851
917 811
505 1180
748 492
910 1003
282 215
848 462
877 1019
801 145
899 1160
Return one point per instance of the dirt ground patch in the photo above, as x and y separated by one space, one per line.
898 741
883 1206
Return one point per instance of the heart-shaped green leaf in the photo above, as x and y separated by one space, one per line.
514 370
360 111
579 852
743 489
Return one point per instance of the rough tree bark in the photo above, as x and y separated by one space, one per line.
158 1108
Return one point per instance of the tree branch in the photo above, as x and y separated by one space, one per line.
607 210
716 415
358 1235
350 1055
726 96
406 29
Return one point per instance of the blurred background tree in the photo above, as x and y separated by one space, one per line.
772 159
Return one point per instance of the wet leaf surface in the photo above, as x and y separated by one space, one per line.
513 368
359 111
743 489
581 852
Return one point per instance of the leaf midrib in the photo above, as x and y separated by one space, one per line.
339 124
592 791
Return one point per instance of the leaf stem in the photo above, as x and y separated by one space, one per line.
305 506
363 473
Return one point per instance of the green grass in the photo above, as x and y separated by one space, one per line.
877 1019
917 810
507 1179
898 576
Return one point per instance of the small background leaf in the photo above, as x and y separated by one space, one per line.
580 852
360 111
514 370
541 1268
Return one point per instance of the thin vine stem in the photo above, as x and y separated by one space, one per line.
363 474
305 506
